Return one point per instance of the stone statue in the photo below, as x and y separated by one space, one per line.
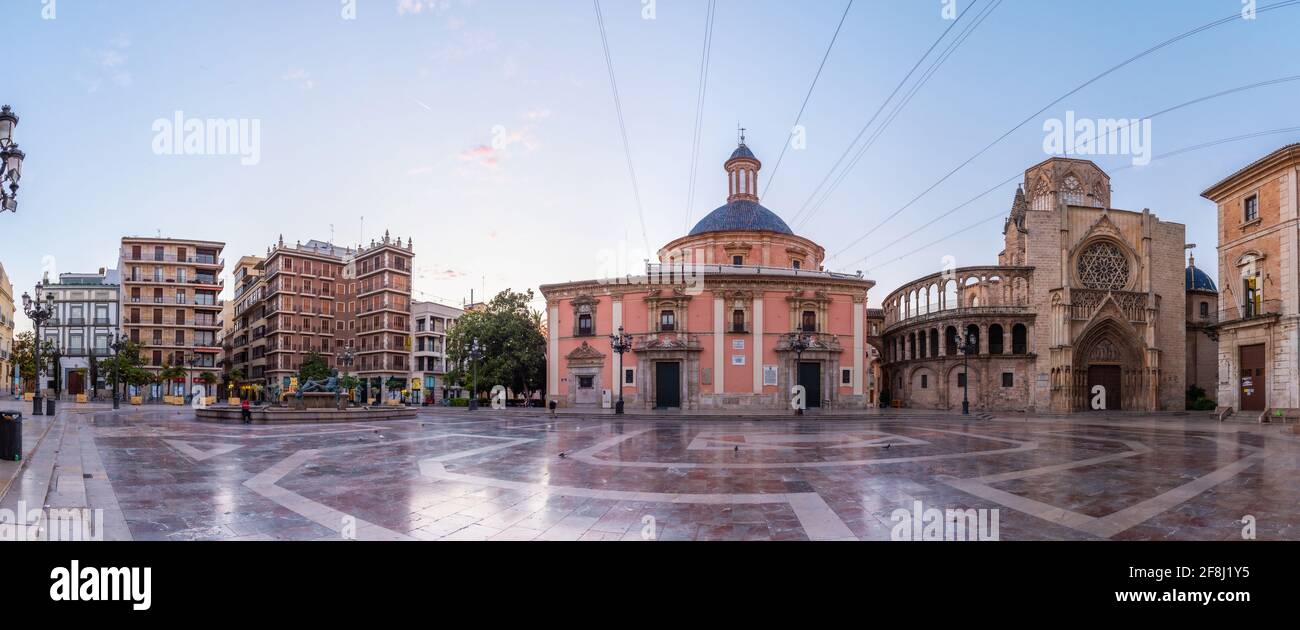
329 385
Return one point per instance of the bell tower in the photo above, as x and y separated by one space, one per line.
742 173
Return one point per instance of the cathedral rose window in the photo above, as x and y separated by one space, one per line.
1103 266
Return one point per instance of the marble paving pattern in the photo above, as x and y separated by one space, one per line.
514 475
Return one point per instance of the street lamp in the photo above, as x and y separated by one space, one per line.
11 161
475 351
117 345
799 343
620 343
969 347
345 359
191 361
39 312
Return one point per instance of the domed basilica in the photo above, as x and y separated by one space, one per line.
731 316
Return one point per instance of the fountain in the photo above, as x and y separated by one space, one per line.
315 401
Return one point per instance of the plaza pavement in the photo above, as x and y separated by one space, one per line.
516 474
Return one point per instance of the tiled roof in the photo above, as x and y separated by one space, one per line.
741 215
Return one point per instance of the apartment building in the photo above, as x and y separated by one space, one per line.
86 314
323 298
8 380
170 303
382 303
301 308
430 323
244 334
1258 319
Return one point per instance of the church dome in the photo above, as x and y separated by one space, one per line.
743 211
1197 280
741 214
742 151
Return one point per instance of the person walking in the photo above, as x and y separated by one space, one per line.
246 411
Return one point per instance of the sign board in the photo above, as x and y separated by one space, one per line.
769 375
737 359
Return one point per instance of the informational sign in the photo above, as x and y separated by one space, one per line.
737 359
416 384
737 344
769 375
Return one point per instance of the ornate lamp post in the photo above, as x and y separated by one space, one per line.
11 161
39 312
799 343
117 345
475 351
191 361
345 359
968 347
620 343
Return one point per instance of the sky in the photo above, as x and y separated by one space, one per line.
486 130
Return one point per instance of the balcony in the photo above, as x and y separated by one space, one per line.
203 259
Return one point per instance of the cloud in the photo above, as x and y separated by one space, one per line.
300 78
107 64
482 155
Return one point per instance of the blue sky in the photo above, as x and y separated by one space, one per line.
393 116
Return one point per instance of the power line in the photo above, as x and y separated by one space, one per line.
1188 149
806 98
929 72
1177 38
705 55
883 104
618 107
1086 143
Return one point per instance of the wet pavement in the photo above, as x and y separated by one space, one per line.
517 475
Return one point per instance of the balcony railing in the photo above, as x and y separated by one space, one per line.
200 259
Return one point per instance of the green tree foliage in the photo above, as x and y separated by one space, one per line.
24 355
509 333
313 367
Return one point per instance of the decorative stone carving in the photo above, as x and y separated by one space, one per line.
585 356
1103 266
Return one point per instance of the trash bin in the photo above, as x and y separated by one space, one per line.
11 436
49 406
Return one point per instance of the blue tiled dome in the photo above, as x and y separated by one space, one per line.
741 215
742 151
1198 280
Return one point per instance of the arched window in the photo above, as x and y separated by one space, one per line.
920 342
934 342
995 339
911 342
1019 341
950 341
973 335
1205 309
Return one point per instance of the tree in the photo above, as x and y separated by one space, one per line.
24 358
509 334
208 379
121 366
168 375
313 367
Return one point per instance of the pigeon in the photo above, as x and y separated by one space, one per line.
563 454
737 447
887 444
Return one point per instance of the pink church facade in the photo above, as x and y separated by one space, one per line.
732 316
